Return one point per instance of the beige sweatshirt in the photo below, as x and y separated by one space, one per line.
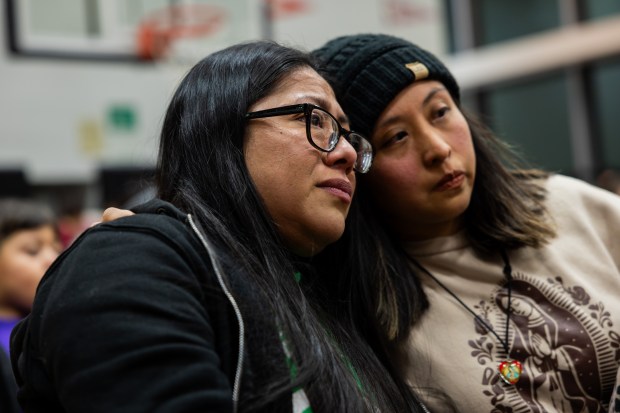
565 318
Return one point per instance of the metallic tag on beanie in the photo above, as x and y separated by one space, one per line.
418 69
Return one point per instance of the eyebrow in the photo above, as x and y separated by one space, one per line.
431 94
322 103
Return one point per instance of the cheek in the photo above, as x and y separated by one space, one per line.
282 175
279 168
462 141
389 177
26 269
465 145
278 157
261 158
21 274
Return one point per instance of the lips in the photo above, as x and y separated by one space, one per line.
450 181
339 187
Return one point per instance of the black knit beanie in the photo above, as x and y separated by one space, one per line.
368 70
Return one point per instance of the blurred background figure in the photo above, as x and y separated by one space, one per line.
29 243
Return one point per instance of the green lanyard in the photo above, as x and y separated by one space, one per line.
301 404
344 357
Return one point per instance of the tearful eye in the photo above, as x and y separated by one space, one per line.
316 120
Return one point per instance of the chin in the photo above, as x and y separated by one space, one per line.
460 204
312 236
322 240
333 229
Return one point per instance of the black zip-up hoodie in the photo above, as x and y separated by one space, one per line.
133 318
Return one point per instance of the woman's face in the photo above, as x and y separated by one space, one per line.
424 168
25 255
307 192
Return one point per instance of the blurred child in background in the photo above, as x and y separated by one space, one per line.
29 243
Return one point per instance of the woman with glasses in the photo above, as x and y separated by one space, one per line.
206 300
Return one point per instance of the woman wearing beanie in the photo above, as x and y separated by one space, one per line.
494 284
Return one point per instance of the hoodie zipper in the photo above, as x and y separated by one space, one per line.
218 272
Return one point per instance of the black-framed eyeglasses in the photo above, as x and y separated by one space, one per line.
324 131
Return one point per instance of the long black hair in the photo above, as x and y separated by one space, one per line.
201 169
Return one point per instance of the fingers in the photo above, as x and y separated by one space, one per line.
111 214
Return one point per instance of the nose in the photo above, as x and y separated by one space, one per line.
49 254
343 155
436 149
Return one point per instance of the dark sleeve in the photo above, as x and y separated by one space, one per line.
123 328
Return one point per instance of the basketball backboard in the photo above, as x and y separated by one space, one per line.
120 30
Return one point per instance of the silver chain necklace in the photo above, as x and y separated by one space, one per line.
509 370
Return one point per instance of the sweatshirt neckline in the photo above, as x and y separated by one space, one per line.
435 246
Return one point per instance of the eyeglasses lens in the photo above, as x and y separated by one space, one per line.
325 133
323 129
364 152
